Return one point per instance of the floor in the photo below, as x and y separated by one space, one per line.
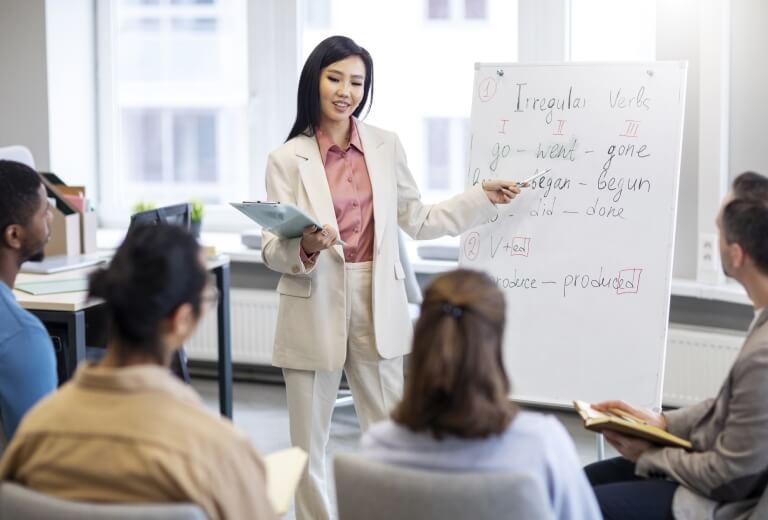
260 410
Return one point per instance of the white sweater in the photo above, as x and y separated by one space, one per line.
533 443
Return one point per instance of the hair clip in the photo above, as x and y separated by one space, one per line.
452 310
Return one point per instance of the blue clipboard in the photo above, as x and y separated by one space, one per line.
284 220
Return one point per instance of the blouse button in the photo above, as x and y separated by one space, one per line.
349 179
355 204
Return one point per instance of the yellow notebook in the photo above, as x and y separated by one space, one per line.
626 424
284 469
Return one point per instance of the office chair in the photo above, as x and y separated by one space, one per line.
20 503
17 153
3 440
377 491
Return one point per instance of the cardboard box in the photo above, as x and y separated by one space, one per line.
65 234
69 214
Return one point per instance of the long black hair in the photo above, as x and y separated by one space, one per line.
153 272
330 50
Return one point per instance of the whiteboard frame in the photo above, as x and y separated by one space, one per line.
655 400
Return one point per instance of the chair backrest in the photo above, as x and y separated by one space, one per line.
20 503
376 491
3 440
17 153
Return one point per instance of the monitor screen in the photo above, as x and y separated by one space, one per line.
178 214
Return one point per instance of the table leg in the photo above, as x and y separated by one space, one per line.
224 341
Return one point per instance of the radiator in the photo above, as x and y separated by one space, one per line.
253 316
698 360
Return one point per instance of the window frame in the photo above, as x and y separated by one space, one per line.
272 25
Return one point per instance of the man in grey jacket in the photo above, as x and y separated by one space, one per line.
725 474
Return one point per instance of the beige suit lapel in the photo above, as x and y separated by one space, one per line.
315 183
376 160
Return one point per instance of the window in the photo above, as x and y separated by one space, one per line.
424 74
475 9
447 154
613 30
456 9
177 103
439 153
318 13
439 9
169 146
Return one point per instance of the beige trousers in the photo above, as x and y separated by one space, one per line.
376 384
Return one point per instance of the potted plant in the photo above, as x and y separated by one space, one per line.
142 205
196 216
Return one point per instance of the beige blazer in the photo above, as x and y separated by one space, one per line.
311 327
726 473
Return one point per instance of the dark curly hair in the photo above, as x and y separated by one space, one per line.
155 270
19 198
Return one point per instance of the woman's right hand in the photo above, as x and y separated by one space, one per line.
647 416
316 239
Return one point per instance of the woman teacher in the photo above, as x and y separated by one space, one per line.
344 307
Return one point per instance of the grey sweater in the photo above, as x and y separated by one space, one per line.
727 470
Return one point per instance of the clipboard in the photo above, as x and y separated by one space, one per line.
282 219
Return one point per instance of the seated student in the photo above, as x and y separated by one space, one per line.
126 430
456 414
729 460
27 359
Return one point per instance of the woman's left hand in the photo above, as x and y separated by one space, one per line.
500 192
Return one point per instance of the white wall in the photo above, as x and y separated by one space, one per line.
47 94
677 38
72 91
749 86
23 78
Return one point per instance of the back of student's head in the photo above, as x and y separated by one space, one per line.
745 217
156 270
19 198
456 382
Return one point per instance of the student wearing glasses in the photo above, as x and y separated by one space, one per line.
125 430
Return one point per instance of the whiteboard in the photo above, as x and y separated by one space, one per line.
584 256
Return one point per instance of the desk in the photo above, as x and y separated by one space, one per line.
68 310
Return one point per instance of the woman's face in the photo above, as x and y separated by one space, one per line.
341 89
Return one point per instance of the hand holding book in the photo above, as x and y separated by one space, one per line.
624 425
631 413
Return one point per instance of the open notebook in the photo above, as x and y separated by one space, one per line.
627 424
